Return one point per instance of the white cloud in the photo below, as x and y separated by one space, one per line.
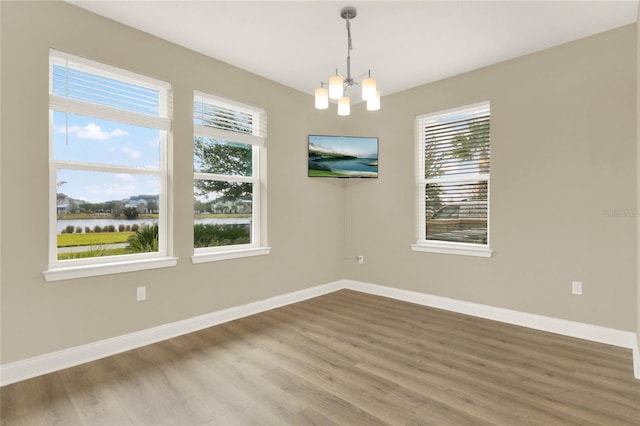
112 190
131 152
91 131
120 190
153 142
118 132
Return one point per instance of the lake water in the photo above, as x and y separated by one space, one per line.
355 164
91 223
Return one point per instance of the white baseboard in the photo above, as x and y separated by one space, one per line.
636 360
47 363
610 336
54 361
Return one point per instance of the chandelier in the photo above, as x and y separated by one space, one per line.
339 84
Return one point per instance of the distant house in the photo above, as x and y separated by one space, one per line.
244 206
144 203
238 206
66 204
62 203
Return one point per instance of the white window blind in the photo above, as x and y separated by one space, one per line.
89 88
224 119
453 175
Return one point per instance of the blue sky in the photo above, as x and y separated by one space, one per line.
91 140
356 146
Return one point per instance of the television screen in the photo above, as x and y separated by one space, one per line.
343 156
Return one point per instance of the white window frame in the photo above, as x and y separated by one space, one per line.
257 140
443 247
104 265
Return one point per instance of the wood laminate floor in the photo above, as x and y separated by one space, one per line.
345 358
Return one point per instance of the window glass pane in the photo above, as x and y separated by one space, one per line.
222 157
97 89
94 140
457 212
457 145
223 213
106 214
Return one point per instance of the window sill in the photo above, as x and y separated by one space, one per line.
453 248
82 271
229 254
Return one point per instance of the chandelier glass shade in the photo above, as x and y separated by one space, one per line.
336 87
344 106
322 98
339 84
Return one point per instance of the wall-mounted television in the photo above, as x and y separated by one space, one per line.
343 156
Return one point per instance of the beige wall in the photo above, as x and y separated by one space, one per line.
40 317
563 154
638 174
563 132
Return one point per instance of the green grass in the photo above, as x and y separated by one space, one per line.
221 215
325 173
93 239
83 216
93 253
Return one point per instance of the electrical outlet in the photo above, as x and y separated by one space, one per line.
360 259
576 287
141 294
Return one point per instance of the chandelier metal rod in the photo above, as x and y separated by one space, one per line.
349 81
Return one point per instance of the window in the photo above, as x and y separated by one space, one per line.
453 151
107 169
228 192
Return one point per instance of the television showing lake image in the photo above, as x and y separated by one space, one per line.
343 156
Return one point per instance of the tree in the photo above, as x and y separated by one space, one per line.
152 206
130 213
117 209
200 207
112 206
87 207
472 145
226 159
449 144
433 160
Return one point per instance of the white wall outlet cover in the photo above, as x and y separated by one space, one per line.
576 287
141 294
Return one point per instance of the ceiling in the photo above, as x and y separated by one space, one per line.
404 43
